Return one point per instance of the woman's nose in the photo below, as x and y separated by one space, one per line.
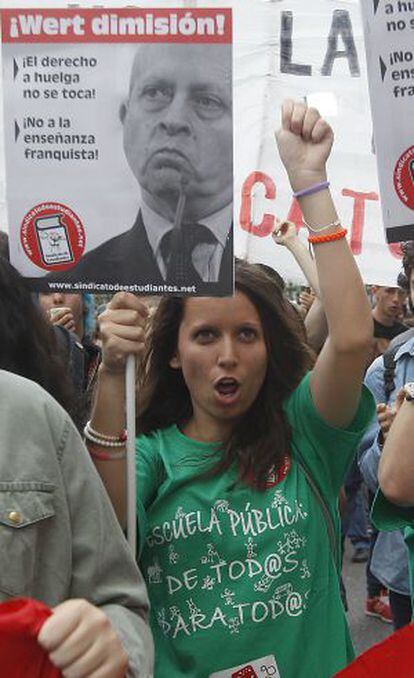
228 353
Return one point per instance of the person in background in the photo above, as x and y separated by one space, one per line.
74 312
389 560
73 317
78 362
355 518
387 315
393 507
60 542
28 345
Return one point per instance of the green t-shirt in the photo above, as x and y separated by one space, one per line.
236 575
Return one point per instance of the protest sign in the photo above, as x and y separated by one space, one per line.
119 152
388 28
314 51
287 48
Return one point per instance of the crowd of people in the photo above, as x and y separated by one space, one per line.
255 416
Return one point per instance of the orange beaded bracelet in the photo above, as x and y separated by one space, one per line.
331 237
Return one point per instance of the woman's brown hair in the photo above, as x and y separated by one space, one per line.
262 437
28 344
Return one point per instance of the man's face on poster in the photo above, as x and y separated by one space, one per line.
178 126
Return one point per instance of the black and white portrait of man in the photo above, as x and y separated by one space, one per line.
178 141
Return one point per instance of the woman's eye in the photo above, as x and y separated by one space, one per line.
205 336
247 334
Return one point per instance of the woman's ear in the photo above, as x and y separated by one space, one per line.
175 362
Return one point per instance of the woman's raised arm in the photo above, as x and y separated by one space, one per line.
305 142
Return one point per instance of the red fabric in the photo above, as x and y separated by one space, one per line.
20 654
393 657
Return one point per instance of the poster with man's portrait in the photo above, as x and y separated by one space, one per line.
119 149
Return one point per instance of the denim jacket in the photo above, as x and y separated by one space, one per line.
59 537
390 557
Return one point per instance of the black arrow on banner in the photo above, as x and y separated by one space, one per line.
15 69
16 130
383 69
376 3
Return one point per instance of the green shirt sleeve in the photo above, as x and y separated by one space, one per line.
325 450
387 516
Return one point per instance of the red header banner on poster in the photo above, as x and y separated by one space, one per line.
122 25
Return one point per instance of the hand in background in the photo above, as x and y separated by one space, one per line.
385 416
284 233
62 316
386 413
306 300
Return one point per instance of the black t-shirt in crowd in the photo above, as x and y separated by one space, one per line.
388 331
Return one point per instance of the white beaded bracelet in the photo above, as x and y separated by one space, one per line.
101 441
333 224
104 436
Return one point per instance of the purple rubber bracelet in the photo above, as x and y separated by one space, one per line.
312 189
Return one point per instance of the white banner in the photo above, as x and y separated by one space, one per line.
290 48
388 29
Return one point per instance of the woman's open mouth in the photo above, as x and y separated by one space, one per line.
227 389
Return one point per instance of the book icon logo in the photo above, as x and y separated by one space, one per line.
53 240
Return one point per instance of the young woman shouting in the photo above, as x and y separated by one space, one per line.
242 449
